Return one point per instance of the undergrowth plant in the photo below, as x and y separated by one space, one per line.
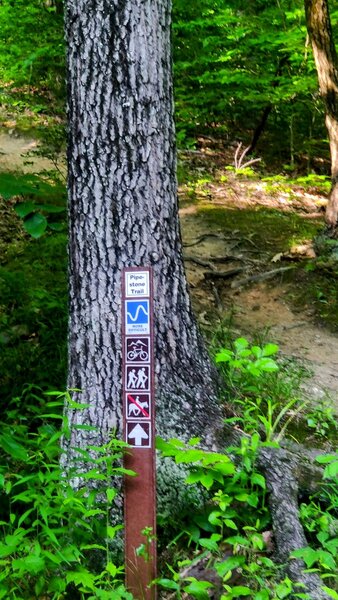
56 540
235 545
245 369
231 535
264 393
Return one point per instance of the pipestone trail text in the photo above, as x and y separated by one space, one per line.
137 284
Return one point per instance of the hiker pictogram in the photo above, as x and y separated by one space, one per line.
137 378
137 349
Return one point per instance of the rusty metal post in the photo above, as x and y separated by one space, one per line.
139 431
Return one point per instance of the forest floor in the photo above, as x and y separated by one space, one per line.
250 261
251 266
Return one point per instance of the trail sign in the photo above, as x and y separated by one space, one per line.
137 283
140 434
139 424
137 317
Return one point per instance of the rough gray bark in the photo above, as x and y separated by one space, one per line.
122 213
286 474
324 51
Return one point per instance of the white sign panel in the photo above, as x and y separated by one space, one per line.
137 284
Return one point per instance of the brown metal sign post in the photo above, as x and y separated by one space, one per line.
139 430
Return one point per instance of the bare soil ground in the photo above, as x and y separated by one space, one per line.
263 308
212 246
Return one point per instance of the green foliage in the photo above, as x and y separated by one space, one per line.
245 365
33 317
265 395
233 61
41 199
31 44
51 533
331 468
320 525
252 361
321 418
238 517
231 532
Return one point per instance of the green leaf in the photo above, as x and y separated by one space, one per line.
270 349
256 351
266 364
308 555
331 592
224 356
6 550
207 480
57 584
241 344
327 560
198 589
229 565
209 544
326 458
214 519
111 494
111 531
240 590
112 569
258 479
194 476
226 468
25 515
331 470
262 595
35 225
83 579
12 447
194 441
29 564
230 523
168 584
24 208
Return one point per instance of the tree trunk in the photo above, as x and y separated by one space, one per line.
123 213
320 32
267 110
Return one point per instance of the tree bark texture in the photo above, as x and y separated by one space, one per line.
320 32
123 213
286 474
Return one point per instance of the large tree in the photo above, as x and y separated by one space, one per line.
123 213
324 51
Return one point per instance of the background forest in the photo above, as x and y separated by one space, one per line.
240 68
244 74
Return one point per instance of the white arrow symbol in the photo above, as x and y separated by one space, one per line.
138 434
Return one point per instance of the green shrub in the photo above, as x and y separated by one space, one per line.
56 541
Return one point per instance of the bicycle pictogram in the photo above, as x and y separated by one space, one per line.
138 350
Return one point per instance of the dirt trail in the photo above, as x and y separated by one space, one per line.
262 307
256 307
17 154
